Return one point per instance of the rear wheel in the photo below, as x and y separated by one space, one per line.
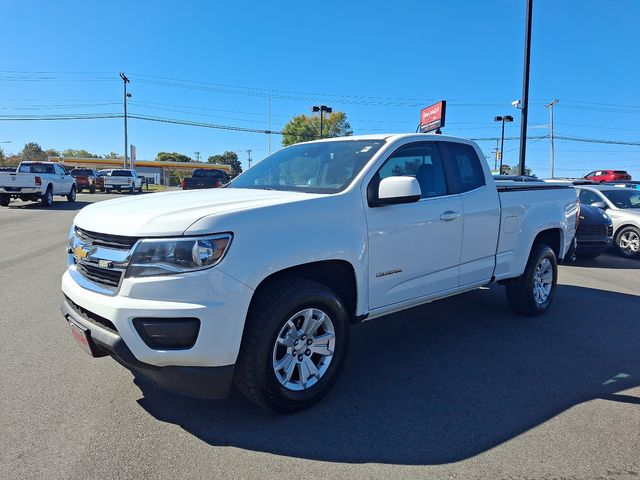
47 198
132 189
71 197
4 200
628 242
293 346
531 294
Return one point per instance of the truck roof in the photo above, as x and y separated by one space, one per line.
394 136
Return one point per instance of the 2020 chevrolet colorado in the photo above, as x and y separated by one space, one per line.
260 281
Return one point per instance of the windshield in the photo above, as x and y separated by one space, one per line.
121 173
323 167
623 198
81 172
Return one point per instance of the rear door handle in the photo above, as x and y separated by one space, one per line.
449 215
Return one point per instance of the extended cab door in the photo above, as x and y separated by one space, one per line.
481 208
414 248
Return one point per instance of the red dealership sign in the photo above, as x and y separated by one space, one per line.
432 117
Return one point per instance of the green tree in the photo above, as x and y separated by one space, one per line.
2 155
172 157
303 128
111 155
33 152
228 158
507 170
71 153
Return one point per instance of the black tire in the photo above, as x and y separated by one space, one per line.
140 189
520 291
92 189
79 190
47 198
71 196
274 305
132 190
4 200
102 189
625 248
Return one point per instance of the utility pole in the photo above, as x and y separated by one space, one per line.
550 107
525 89
269 134
495 163
197 154
125 80
249 159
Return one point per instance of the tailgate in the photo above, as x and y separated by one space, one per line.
18 180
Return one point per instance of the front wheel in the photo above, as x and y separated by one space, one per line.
293 346
531 294
71 197
628 242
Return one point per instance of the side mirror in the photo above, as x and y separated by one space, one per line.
396 190
600 205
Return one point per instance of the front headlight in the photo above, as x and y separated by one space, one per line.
169 256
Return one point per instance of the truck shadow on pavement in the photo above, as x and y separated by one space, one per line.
609 260
440 383
60 205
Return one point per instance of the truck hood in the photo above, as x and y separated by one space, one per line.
171 213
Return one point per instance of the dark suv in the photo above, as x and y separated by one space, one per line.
205 178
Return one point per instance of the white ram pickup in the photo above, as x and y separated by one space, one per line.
259 282
120 180
37 181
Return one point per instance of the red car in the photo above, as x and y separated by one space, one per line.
87 178
607 176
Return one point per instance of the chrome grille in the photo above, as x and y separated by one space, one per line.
100 258
101 275
105 240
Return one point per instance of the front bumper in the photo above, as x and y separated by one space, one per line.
201 382
217 300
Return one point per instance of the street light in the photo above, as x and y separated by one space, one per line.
322 109
502 118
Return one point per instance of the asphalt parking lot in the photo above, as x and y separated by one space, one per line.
460 388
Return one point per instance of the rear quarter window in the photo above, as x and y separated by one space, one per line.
466 167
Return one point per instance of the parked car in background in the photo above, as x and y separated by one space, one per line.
205 178
120 180
601 176
623 206
86 179
101 175
34 181
594 233
628 184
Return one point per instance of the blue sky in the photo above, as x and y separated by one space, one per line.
375 61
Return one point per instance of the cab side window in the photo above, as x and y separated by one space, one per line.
467 169
422 161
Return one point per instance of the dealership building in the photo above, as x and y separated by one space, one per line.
156 172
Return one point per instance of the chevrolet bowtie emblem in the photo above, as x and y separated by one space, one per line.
81 253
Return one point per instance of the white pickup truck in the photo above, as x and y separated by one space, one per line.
259 281
37 181
123 179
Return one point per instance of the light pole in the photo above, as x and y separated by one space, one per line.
125 80
502 118
525 89
322 109
550 107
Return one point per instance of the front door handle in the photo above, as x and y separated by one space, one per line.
449 215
